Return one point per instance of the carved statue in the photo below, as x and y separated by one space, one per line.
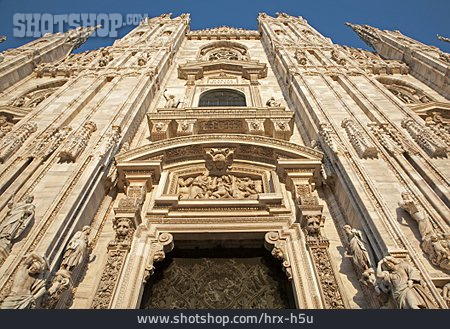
433 244
18 218
418 214
61 282
301 57
405 283
76 249
28 284
171 102
271 102
357 248
337 57
218 160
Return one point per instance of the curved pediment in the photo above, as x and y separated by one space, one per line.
247 146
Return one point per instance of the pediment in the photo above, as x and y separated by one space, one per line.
246 69
426 109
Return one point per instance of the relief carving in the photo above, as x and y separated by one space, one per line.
205 186
49 142
159 248
218 160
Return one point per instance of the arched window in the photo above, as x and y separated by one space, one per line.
222 97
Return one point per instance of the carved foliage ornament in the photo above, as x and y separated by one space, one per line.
426 139
359 140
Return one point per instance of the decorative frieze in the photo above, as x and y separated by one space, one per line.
14 140
359 140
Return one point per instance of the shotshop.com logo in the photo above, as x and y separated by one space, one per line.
36 25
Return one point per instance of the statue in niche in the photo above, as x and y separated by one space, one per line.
76 250
218 187
271 102
405 283
18 218
357 248
28 284
171 102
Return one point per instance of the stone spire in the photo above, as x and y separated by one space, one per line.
368 34
79 35
2 38
440 37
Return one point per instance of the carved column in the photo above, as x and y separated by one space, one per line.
127 218
311 220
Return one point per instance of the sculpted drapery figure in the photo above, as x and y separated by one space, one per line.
357 248
19 217
171 102
76 249
272 102
405 283
28 284
434 244
419 215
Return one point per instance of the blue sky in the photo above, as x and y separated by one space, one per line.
421 20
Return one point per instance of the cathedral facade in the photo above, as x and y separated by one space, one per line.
225 168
